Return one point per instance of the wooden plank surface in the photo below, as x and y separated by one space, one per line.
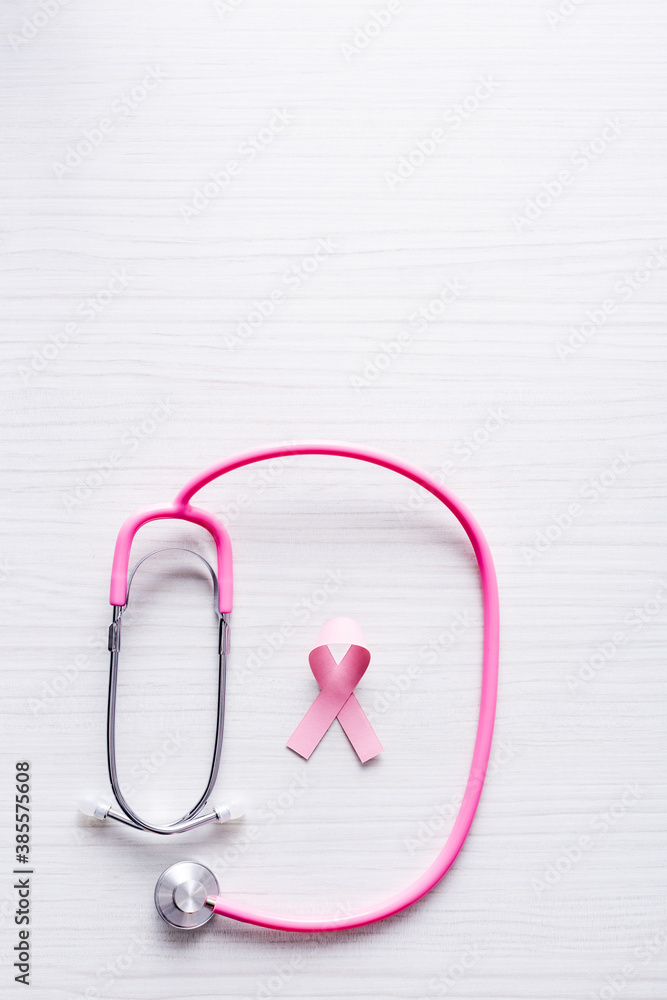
434 228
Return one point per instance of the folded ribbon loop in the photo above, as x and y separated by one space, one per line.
336 699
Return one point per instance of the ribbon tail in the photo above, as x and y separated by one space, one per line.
358 730
314 725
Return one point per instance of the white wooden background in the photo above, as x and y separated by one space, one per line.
111 406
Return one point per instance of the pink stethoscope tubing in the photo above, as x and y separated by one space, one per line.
183 510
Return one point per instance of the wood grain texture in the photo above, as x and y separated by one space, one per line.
494 314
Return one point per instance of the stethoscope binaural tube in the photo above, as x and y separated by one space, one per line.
196 816
183 509
101 808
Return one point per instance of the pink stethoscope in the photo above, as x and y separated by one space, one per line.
187 893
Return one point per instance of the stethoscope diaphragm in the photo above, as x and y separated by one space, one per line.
181 893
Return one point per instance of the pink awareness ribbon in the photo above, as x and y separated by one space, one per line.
336 699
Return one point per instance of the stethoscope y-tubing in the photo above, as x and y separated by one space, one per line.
182 509
194 817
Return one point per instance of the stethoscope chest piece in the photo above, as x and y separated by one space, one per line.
181 893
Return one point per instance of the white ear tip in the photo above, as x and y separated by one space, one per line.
236 808
233 809
92 804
